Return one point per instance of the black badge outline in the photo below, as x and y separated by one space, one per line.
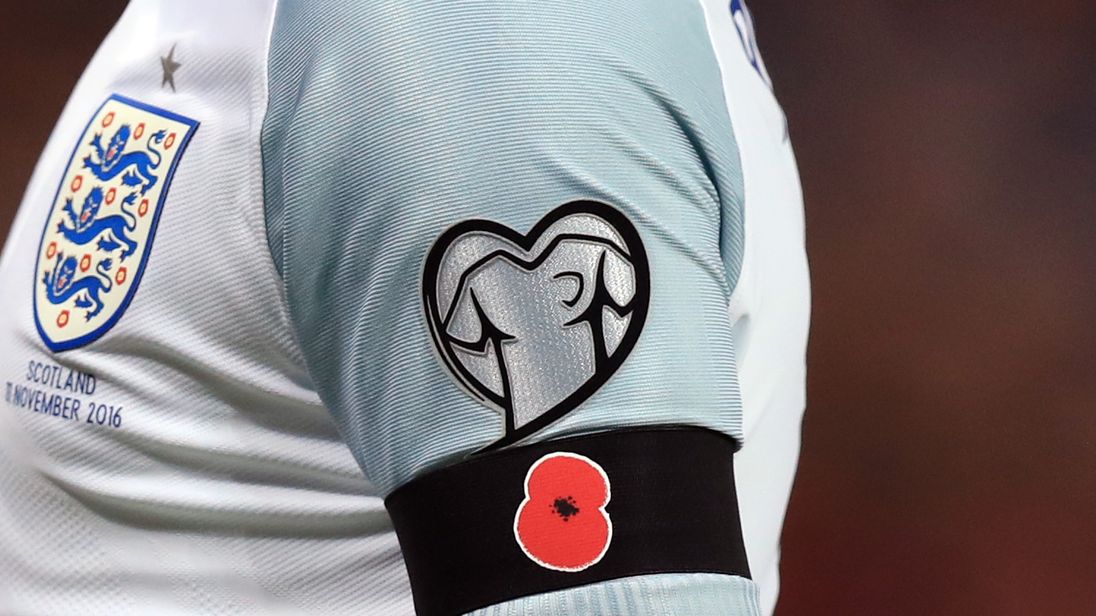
641 302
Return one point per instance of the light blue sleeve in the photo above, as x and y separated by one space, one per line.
668 594
390 123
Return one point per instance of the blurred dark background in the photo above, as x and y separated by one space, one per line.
948 156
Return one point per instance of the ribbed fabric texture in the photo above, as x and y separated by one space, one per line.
389 122
698 594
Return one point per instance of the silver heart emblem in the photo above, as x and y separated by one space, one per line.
532 325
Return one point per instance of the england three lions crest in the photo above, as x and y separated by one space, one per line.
102 221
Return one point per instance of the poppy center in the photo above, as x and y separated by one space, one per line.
565 507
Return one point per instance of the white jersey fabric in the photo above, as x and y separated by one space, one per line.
184 461
770 306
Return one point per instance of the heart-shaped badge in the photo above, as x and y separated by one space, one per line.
532 325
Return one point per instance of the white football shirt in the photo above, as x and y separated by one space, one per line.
216 358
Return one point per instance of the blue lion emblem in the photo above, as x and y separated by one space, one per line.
138 166
62 284
103 218
86 225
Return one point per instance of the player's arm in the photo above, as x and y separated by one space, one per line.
508 233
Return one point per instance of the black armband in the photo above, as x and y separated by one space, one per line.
559 514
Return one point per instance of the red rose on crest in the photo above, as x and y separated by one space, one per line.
562 523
